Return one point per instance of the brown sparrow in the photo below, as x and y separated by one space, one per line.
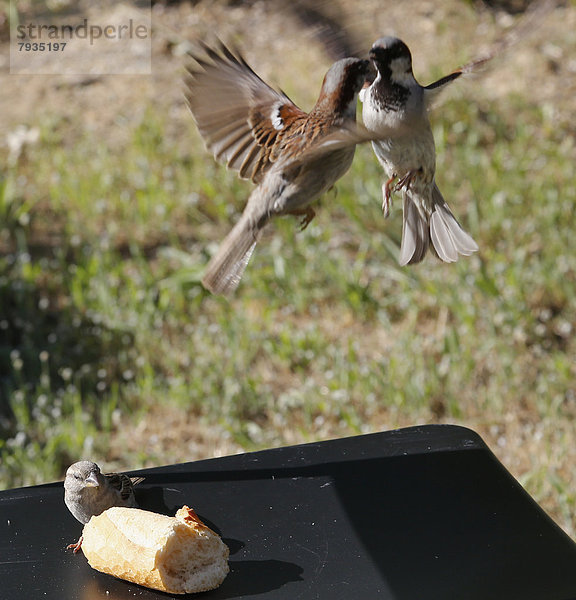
262 134
396 102
88 492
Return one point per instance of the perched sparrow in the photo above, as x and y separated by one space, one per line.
396 102
87 492
261 133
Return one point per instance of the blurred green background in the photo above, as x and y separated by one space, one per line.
110 208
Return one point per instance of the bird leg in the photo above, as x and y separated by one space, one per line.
387 196
406 181
390 187
307 215
75 547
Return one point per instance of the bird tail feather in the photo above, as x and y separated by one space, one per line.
415 235
448 237
439 227
227 266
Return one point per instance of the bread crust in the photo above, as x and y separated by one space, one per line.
178 555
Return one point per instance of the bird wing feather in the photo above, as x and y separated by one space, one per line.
241 118
121 483
529 22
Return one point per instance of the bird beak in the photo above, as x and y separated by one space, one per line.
371 74
91 480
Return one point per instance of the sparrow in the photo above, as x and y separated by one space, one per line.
88 492
262 134
397 105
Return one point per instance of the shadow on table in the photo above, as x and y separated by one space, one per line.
252 577
436 525
246 578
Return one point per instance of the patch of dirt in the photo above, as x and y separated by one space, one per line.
169 434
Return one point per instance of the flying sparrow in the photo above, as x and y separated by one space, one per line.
396 102
88 492
262 134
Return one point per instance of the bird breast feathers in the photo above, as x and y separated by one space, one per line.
377 119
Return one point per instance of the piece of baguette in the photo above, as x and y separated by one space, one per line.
179 555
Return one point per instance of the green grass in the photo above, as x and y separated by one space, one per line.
102 316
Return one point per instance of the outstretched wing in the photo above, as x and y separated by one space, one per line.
339 137
237 113
520 32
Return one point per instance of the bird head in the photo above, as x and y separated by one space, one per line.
341 85
83 473
392 59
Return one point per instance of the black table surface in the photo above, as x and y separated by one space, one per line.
415 514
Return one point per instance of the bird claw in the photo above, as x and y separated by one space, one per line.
387 197
406 181
308 216
75 547
394 185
